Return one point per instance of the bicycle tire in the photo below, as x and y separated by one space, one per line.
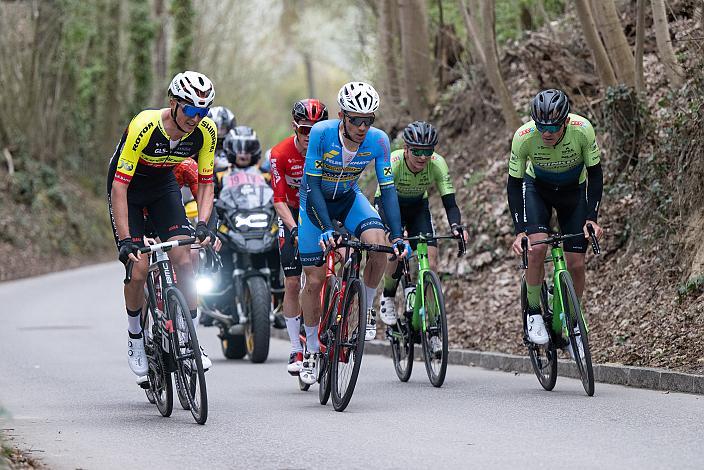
401 341
189 363
349 345
575 321
543 357
436 326
160 384
147 321
331 286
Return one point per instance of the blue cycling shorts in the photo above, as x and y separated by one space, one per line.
353 210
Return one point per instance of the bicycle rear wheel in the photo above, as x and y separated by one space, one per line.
578 333
349 345
434 338
401 341
186 351
543 357
331 287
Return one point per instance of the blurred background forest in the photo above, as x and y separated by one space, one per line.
74 72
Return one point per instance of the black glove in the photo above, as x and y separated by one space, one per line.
126 246
294 233
202 231
457 230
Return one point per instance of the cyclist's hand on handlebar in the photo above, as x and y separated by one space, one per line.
294 235
203 233
327 238
402 249
128 250
516 246
217 244
598 231
458 230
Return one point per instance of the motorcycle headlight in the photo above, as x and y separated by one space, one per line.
204 284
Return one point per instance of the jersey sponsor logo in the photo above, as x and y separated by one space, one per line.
318 163
296 167
124 164
330 154
578 123
141 134
158 151
213 134
387 171
364 154
525 131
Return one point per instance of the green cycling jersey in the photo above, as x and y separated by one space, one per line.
562 165
413 187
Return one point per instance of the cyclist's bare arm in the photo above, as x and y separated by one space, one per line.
285 213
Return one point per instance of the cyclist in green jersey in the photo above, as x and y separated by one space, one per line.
416 168
555 163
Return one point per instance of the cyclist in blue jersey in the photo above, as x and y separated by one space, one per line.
338 152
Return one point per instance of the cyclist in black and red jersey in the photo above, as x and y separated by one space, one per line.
140 176
287 162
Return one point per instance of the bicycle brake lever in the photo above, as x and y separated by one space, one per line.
128 272
592 238
524 253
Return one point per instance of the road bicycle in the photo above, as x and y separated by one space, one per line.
170 340
424 319
562 312
343 321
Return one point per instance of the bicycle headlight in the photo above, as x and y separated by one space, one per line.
204 284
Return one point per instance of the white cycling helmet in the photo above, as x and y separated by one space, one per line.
358 97
194 88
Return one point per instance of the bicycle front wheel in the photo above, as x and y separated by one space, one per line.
578 333
186 351
434 338
329 300
349 345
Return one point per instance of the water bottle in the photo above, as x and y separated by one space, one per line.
409 293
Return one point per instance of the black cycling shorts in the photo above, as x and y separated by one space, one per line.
415 219
570 203
165 207
290 261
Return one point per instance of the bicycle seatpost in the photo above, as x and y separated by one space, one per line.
592 238
524 253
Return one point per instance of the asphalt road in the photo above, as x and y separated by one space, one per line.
70 397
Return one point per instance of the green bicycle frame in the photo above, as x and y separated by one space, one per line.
557 256
418 319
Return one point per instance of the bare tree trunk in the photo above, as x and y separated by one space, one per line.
388 28
310 76
492 66
160 60
640 39
473 30
415 50
615 41
601 59
662 36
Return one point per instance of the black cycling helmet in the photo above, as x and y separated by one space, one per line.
310 110
242 139
550 107
420 134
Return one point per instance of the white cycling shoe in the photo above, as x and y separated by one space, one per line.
207 363
307 373
536 329
580 348
370 332
387 310
136 357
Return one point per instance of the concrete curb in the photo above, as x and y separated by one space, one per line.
639 377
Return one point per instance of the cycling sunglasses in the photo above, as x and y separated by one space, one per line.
551 129
303 128
193 111
359 120
416 152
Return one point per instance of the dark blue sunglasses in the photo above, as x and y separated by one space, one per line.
551 129
193 111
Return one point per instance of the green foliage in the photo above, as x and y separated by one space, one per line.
184 21
141 35
693 286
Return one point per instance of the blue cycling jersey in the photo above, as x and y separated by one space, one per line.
326 173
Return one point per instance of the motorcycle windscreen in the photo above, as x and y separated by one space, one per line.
249 217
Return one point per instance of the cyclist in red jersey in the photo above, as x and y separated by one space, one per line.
287 162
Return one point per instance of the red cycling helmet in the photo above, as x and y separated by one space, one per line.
309 109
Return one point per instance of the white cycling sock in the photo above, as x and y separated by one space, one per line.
293 326
312 339
371 293
134 323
